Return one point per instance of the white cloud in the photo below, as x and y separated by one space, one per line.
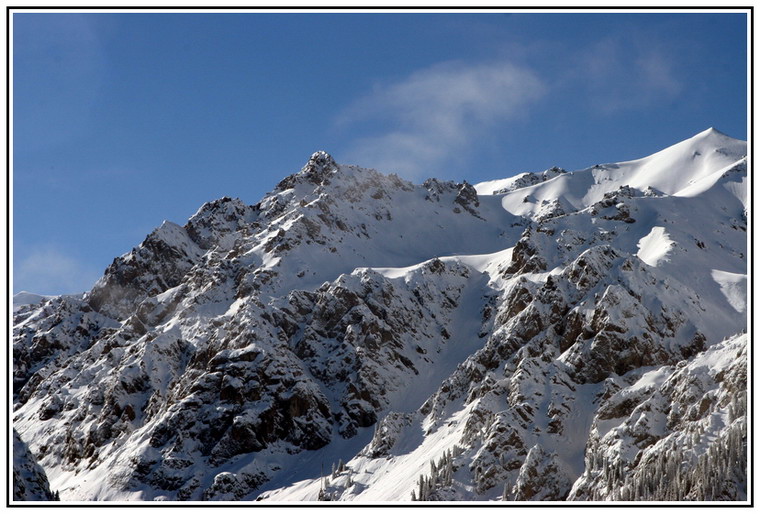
436 113
627 74
50 271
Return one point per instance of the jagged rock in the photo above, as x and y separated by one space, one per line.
387 434
532 350
664 414
541 478
529 179
29 480
158 264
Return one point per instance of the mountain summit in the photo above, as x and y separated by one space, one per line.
561 335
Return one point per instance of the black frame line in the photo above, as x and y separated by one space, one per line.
749 9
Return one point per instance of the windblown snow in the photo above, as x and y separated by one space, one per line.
654 246
734 288
553 336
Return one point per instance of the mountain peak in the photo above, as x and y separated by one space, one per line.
316 171
713 137
711 133
711 130
320 162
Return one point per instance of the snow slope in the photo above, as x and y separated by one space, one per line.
673 171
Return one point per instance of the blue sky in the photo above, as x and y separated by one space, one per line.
123 120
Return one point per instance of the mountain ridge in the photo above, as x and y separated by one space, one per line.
211 358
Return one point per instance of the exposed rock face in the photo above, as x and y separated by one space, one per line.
351 315
29 480
665 415
45 337
541 478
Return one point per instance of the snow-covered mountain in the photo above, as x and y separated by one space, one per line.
25 298
353 336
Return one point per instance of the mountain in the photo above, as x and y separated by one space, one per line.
25 298
562 335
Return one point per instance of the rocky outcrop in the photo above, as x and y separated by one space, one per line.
662 416
530 179
29 480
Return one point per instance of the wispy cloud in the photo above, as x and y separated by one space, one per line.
416 124
49 270
63 58
627 74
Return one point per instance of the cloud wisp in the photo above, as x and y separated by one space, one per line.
48 270
416 124
64 57
623 75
